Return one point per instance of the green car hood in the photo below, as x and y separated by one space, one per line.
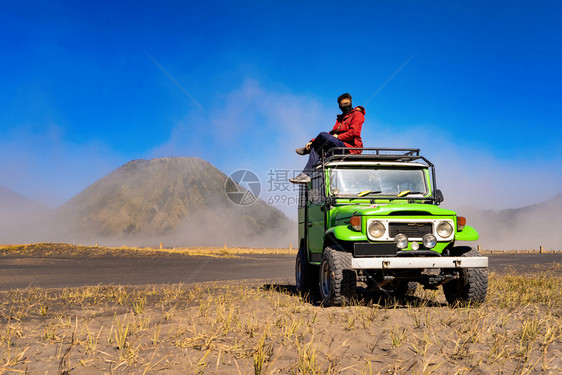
408 209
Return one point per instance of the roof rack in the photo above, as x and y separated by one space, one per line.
369 153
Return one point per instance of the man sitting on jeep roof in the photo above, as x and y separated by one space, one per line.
346 133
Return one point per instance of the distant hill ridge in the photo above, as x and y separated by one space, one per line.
14 203
182 200
519 228
20 218
178 199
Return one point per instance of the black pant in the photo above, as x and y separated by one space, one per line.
324 141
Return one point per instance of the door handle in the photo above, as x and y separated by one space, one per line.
309 224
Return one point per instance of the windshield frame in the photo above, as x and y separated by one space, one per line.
427 194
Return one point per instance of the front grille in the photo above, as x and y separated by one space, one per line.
411 230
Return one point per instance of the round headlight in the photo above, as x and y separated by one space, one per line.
444 229
429 241
401 241
376 229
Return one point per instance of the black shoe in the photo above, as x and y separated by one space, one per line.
300 179
302 151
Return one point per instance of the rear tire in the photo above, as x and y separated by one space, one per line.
338 282
405 288
306 274
472 285
397 288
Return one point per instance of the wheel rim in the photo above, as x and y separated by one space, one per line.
325 280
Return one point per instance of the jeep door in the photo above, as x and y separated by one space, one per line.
316 216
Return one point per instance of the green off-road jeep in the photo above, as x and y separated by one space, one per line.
374 218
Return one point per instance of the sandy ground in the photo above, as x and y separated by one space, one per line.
248 328
265 327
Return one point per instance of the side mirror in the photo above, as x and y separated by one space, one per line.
438 196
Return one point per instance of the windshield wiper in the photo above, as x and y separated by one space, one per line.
367 192
406 192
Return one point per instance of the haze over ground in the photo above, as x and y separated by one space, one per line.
88 87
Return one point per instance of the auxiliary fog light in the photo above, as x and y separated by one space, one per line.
401 241
429 241
415 245
376 229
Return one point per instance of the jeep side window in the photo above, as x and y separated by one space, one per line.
316 193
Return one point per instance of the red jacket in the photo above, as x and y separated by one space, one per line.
348 128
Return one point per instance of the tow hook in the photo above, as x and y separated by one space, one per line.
457 263
385 263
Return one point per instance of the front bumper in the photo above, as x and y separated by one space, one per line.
418 262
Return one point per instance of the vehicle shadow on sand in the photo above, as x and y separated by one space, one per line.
364 297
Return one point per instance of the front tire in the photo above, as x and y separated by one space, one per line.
338 282
472 285
306 274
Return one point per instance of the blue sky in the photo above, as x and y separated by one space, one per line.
476 85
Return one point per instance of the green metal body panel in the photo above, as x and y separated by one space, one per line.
467 234
316 231
345 233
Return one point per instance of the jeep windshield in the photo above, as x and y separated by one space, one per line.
366 182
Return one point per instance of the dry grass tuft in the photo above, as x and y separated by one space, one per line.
49 250
270 329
